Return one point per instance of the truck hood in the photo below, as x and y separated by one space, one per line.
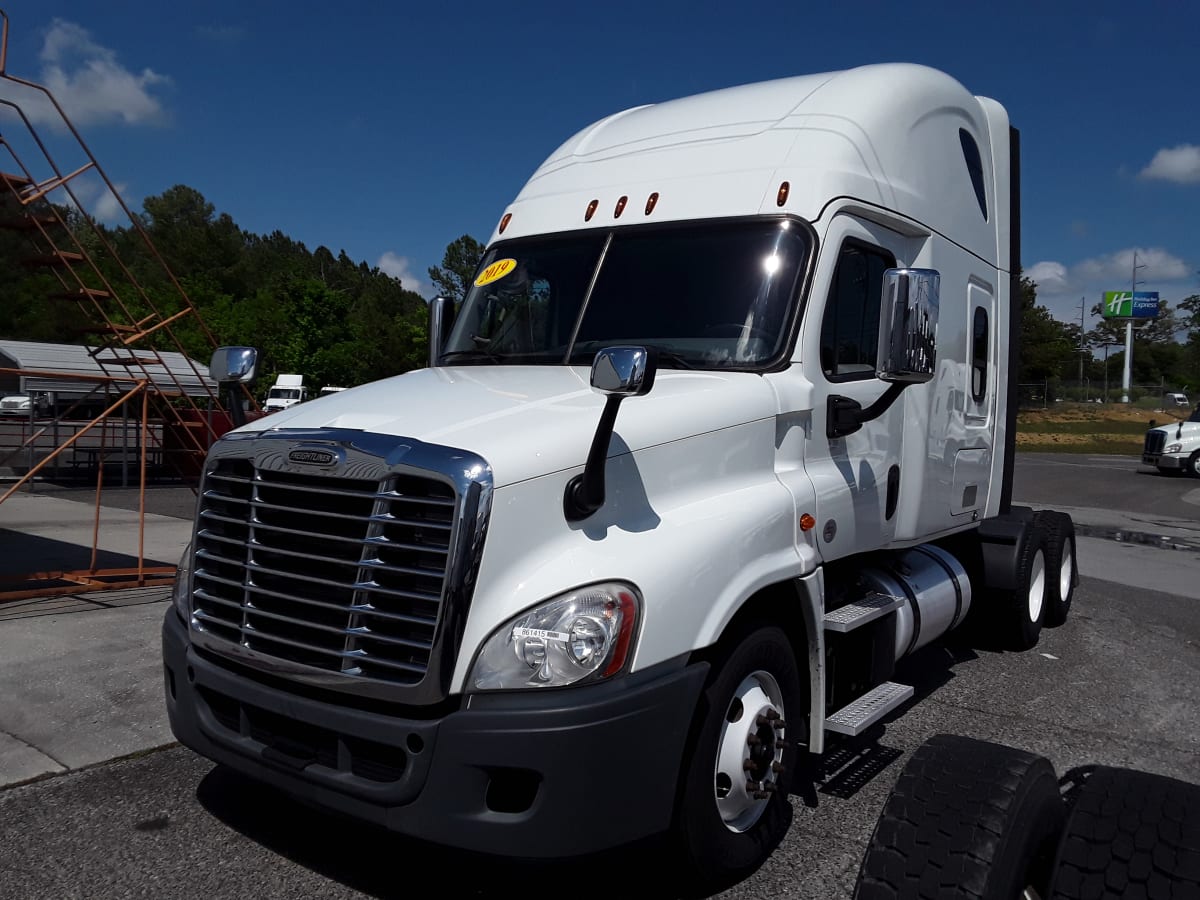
1185 430
528 421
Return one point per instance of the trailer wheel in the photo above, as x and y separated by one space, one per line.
966 819
733 807
1130 834
1062 568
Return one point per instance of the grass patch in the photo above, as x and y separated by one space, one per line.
1089 428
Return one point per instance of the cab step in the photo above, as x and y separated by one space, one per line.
860 612
856 717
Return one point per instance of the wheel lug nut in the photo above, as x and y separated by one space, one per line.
749 765
777 767
753 786
753 740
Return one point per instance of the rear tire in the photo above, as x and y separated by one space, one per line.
967 819
1062 567
1022 610
1130 834
723 829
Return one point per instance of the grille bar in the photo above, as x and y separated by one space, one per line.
331 572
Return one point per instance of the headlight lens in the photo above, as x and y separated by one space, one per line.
1172 448
584 635
181 594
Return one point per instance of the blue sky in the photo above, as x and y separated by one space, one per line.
389 129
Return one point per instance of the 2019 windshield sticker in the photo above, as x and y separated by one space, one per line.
495 271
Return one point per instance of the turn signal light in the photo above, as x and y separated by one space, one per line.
781 197
807 522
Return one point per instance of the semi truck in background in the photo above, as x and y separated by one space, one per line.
1175 447
287 391
723 429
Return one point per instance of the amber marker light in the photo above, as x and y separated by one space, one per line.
807 522
651 202
591 210
781 197
620 207
504 222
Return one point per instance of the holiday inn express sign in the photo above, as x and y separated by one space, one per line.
1130 305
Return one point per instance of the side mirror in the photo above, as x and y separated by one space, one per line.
623 371
617 372
230 367
233 365
908 326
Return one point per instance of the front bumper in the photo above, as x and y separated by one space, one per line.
1164 460
547 775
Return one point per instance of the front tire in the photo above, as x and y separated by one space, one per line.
733 807
1193 465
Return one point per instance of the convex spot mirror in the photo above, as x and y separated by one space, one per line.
233 365
908 326
623 371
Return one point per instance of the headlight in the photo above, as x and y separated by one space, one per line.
584 635
181 594
1173 448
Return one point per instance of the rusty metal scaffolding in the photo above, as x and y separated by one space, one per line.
131 326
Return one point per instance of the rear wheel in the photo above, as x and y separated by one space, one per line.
733 808
1021 610
1062 571
966 819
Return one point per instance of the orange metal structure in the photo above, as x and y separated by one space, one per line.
131 325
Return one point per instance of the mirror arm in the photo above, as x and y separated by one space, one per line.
585 492
845 416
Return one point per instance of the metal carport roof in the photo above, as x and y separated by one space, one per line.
168 371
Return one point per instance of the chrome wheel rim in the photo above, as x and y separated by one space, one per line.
1037 586
750 751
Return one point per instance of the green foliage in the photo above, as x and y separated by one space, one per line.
1049 349
326 317
453 278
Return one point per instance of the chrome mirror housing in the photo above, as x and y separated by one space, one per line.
623 371
908 326
233 365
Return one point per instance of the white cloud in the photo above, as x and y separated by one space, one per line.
108 209
1153 264
1179 164
90 84
398 267
1051 277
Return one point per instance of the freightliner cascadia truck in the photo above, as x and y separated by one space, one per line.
723 429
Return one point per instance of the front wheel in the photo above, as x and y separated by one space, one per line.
1193 465
733 808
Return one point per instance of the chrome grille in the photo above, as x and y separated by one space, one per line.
1155 441
336 573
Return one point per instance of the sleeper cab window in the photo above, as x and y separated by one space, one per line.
850 327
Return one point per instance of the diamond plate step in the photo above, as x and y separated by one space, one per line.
860 612
857 717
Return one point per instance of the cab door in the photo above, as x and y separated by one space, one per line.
856 477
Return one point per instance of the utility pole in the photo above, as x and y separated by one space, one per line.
1127 375
1081 350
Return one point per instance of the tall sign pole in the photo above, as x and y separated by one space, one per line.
1127 374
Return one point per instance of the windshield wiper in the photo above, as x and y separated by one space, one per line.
672 359
472 354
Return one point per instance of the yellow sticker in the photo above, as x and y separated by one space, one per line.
495 271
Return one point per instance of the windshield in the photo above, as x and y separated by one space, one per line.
707 296
284 394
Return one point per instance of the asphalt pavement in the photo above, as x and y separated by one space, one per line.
80 686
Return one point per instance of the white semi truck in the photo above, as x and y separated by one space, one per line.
1175 447
723 429
287 391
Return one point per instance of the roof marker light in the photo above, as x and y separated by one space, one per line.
620 207
651 201
504 222
591 210
781 197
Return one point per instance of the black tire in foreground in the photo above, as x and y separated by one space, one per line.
1130 835
1020 611
1062 566
966 819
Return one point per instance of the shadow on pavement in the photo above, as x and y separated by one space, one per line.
28 554
383 864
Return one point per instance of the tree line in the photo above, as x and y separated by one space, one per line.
341 322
